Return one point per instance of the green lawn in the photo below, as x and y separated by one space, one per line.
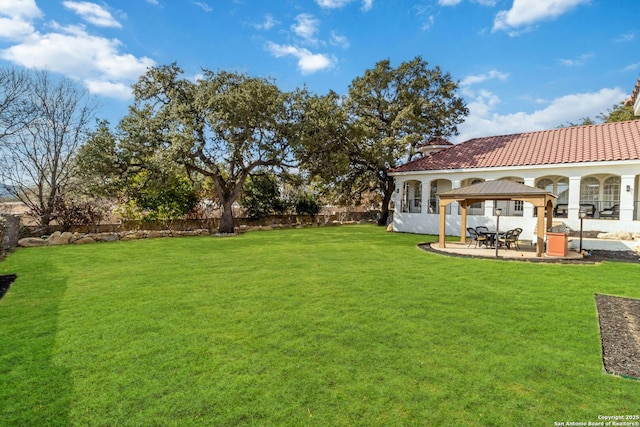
337 326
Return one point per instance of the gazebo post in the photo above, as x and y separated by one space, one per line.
541 232
442 230
463 222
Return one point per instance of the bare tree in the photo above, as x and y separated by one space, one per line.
37 165
15 111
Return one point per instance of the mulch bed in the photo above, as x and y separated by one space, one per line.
595 256
619 320
5 282
618 256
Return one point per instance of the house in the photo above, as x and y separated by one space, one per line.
591 169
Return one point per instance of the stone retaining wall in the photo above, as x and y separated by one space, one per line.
77 238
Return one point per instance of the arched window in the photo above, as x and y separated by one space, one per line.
562 190
589 190
412 197
545 184
436 187
611 190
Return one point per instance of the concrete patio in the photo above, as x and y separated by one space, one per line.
527 251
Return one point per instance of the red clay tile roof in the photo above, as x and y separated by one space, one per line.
579 144
632 99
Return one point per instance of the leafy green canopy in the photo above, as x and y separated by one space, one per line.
220 127
388 113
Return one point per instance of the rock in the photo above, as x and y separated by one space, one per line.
32 242
58 238
76 236
105 237
84 240
133 235
154 234
616 235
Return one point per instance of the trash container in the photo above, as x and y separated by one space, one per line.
557 244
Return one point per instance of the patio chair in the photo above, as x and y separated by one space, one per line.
479 239
516 236
612 212
509 238
481 229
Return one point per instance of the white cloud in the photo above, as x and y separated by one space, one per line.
75 53
268 23
16 17
20 8
457 2
632 67
95 61
336 4
581 60
108 89
627 37
306 27
479 78
202 5
483 121
524 13
308 62
338 40
427 23
14 28
92 13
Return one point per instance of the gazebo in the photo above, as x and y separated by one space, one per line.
497 190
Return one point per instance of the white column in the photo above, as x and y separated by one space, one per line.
626 197
574 197
527 209
488 205
455 205
426 188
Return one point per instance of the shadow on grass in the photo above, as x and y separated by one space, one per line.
33 390
5 281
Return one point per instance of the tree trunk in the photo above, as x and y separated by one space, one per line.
387 192
226 220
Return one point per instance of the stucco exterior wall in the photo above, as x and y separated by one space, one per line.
427 223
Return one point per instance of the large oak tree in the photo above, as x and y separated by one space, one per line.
388 113
223 125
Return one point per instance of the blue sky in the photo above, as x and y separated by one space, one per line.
522 65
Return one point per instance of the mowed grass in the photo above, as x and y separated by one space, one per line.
342 326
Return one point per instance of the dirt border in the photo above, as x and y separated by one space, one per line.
596 256
619 320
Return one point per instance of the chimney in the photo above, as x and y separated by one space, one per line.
433 145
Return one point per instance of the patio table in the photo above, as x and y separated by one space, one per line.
491 236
